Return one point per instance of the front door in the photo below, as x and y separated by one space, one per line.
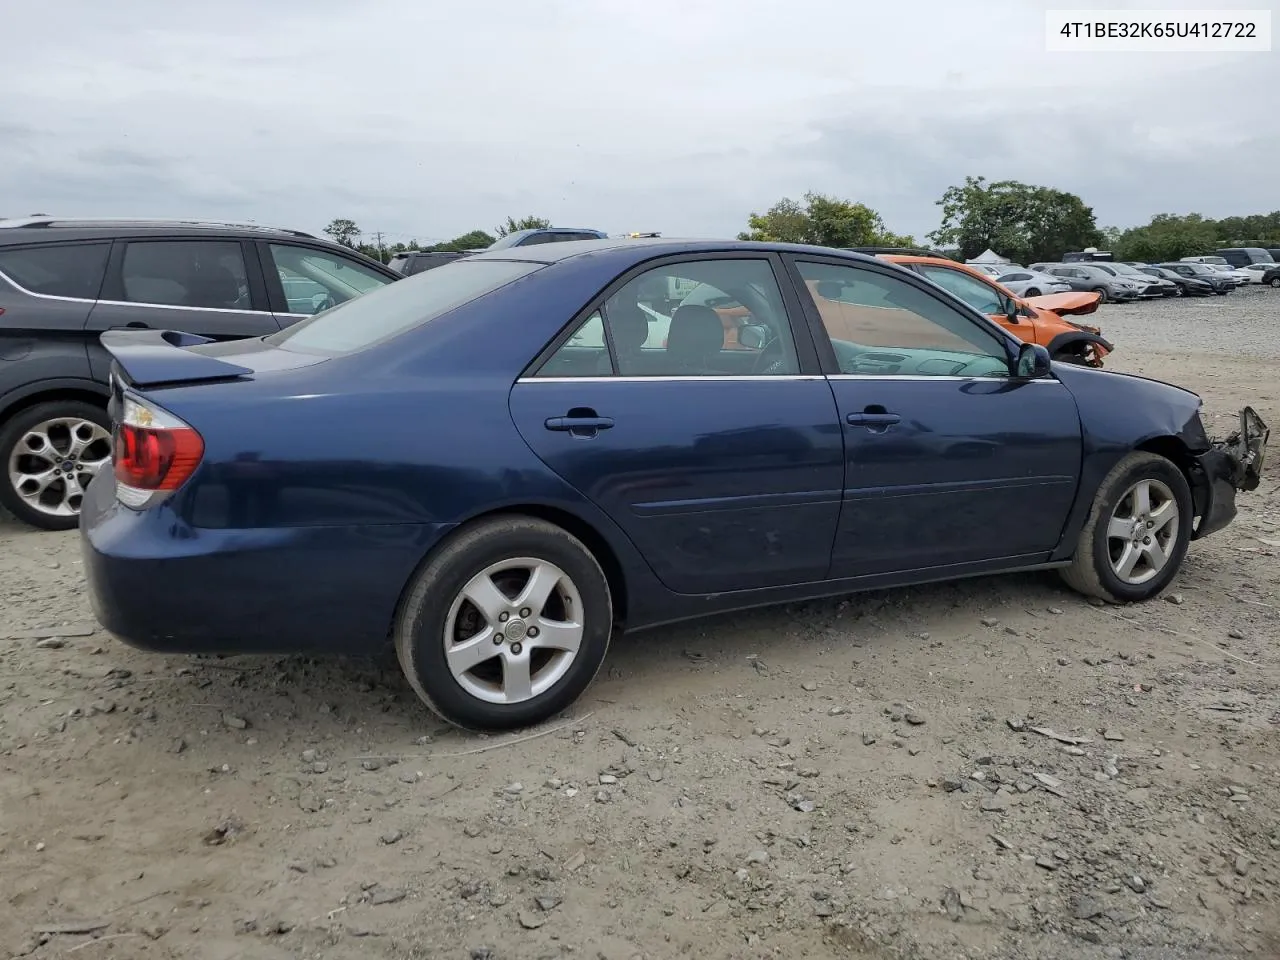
302 281
982 295
949 459
723 466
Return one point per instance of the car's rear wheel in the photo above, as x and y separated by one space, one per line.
48 455
1103 296
1275 282
506 625
1137 533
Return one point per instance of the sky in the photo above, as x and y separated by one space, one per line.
426 119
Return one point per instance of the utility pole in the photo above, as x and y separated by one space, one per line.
382 251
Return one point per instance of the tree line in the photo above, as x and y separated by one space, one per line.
1024 222
347 233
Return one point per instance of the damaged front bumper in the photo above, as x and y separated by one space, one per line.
1230 465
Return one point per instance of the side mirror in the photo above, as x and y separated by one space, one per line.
1011 310
1033 362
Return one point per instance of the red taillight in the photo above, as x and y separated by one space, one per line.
153 452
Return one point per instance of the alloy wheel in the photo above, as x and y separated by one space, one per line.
1142 532
514 630
53 462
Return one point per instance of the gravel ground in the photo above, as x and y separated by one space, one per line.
993 768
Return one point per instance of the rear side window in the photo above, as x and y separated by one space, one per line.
186 273
400 306
58 269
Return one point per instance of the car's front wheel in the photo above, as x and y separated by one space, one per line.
1033 292
48 454
506 625
1137 533
1275 282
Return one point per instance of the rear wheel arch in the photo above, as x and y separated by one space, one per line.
81 391
571 523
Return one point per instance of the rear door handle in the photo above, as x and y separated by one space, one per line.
872 419
579 423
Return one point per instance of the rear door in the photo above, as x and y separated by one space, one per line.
724 467
950 462
209 287
302 281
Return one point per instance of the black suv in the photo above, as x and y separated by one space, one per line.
64 281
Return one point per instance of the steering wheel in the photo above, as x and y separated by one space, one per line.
328 303
771 361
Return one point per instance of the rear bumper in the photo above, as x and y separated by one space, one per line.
160 585
1230 465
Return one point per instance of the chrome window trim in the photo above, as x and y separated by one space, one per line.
174 306
43 296
127 303
607 379
763 379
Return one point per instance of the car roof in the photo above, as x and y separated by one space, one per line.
24 230
647 247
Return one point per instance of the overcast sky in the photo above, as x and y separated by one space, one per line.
427 118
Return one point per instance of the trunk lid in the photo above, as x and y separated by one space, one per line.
149 359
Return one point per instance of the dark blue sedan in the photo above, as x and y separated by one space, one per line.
495 465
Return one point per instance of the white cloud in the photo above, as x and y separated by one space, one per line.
430 119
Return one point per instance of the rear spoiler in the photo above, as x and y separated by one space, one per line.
154 358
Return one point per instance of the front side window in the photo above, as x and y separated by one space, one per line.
702 318
316 280
207 274
981 296
396 307
883 325
58 270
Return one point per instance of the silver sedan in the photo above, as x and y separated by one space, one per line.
1032 283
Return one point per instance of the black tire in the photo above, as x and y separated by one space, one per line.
1103 296
12 432
421 621
1033 292
1275 282
1091 570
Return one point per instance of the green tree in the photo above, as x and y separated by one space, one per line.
343 231
822 220
524 223
1168 237
475 240
1023 222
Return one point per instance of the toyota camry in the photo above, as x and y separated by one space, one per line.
492 468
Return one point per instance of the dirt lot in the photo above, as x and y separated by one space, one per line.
851 778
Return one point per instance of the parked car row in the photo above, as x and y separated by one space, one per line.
1129 281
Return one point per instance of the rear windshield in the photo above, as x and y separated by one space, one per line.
364 321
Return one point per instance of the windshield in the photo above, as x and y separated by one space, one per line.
400 306
1125 268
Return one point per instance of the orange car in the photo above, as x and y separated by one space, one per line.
1035 319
